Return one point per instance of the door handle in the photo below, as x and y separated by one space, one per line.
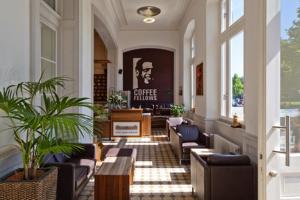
273 173
287 129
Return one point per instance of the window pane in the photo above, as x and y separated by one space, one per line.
223 81
192 86
48 39
236 10
223 15
237 75
49 69
51 3
193 47
290 70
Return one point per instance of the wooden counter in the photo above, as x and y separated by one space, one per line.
146 124
126 122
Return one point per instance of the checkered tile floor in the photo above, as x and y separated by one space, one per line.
158 174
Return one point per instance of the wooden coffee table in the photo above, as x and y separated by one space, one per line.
113 179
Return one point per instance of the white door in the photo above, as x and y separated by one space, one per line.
281 124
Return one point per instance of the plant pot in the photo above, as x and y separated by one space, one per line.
41 188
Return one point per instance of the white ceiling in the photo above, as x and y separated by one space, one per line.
172 11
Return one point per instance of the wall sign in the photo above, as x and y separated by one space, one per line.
148 74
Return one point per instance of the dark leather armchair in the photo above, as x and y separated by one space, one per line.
219 177
185 137
74 171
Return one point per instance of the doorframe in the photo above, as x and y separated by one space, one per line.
262 104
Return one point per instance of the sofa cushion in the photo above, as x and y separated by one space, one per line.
81 173
60 157
190 133
49 158
89 164
228 159
187 146
190 145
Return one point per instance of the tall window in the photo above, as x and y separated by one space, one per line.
192 66
48 51
232 59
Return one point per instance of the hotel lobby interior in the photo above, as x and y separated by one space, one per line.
149 100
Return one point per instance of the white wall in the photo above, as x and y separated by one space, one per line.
196 11
206 14
129 40
14 49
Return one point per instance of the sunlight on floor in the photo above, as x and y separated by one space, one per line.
143 164
156 174
142 144
161 189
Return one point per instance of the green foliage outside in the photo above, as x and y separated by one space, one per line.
290 66
237 86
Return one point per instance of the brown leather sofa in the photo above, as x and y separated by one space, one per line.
185 137
74 171
222 177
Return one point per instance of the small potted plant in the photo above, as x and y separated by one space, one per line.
176 112
115 101
40 126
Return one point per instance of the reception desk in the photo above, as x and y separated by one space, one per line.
129 123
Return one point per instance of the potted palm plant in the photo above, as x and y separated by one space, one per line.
40 127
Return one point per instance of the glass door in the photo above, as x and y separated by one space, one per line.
283 100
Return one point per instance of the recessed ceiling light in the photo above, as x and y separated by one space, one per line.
149 20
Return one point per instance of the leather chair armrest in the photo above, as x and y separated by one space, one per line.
65 180
88 152
205 139
180 139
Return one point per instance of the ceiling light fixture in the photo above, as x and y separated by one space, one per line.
149 20
149 12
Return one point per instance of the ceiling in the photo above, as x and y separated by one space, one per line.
172 11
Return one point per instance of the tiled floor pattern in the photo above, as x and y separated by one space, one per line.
158 176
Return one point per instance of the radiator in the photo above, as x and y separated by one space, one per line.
10 159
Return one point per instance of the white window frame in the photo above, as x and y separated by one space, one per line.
225 37
192 68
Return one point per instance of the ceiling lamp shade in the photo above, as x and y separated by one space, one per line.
149 12
149 20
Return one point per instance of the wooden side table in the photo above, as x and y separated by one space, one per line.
113 179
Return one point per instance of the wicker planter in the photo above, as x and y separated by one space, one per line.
43 188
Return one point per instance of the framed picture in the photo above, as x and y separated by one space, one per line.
199 80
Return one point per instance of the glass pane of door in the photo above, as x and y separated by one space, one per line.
290 96
290 69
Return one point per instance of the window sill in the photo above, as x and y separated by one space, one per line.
228 121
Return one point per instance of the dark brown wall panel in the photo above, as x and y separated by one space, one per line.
148 74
